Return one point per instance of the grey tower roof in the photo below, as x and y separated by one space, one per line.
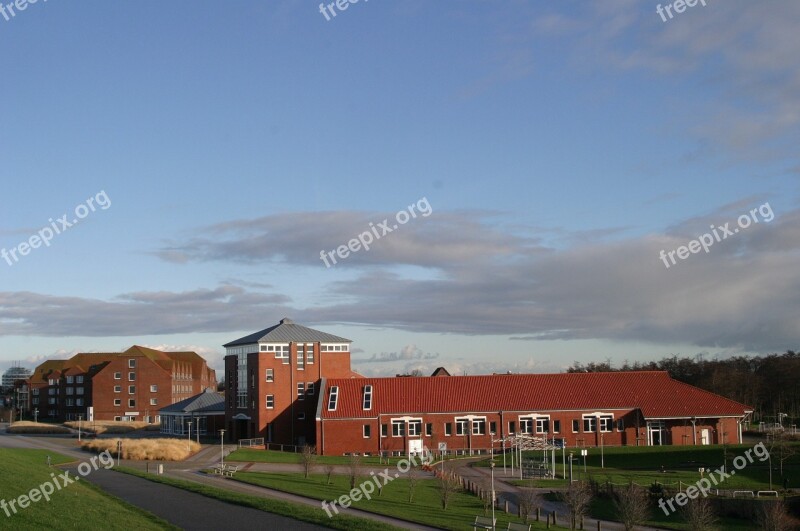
285 332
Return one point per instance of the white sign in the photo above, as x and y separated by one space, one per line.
584 452
442 446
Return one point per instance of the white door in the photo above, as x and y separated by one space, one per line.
705 437
414 447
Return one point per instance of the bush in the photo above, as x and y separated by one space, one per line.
108 426
146 449
26 426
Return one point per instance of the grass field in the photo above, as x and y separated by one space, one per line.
26 426
643 466
271 456
292 510
426 508
146 449
108 426
77 506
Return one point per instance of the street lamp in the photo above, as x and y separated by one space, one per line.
80 417
602 459
221 448
493 503
190 430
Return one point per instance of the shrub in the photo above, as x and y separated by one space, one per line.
26 426
146 449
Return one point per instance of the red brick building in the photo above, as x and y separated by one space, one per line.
272 381
375 415
293 385
130 385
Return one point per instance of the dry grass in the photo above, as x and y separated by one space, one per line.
146 449
26 426
108 426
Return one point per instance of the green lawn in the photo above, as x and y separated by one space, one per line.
292 510
425 509
643 466
76 506
272 456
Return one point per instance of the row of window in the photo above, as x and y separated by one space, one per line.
54 401
132 402
413 428
303 389
132 389
74 379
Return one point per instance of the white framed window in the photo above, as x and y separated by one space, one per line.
131 389
479 427
270 375
367 402
154 388
575 425
620 425
461 426
556 426
118 376
542 425
79 402
310 354
154 401
301 391
131 363
366 431
131 402
70 402
310 388
35 391
70 379
333 398
79 379
414 428
117 402
589 424
117 388
131 376
398 428
270 401
301 358
301 416
117 419
606 423
526 425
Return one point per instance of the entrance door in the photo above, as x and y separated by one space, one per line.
705 436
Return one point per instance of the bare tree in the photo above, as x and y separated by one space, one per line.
528 501
632 504
308 458
328 473
699 514
353 468
775 517
578 497
412 477
782 448
448 486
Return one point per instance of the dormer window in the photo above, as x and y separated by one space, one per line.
333 398
367 404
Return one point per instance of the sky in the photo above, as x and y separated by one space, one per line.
180 174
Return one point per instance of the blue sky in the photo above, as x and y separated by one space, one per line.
560 146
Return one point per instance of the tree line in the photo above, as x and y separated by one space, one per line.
770 384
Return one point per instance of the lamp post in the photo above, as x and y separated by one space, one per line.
221 447
602 459
493 501
36 415
80 417
190 429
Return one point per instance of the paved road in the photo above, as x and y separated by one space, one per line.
188 510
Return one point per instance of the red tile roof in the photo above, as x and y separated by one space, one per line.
653 392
